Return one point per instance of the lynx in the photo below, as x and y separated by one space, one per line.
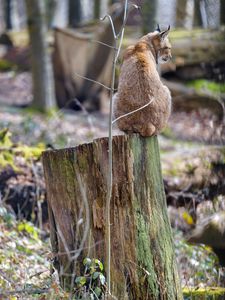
140 85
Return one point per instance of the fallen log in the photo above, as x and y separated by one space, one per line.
196 53
188 99
142 256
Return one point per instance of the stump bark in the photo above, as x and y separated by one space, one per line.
142 254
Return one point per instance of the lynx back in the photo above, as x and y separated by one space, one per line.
140 86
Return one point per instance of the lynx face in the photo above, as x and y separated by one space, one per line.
164 53
162 45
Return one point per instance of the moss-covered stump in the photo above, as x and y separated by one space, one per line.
142 255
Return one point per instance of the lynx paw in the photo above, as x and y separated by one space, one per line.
148 130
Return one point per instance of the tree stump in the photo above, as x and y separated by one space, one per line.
142 254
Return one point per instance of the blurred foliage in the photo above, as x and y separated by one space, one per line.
6 157
27 227
168 133
188 218
19 38
204 293
207 85
8 150
6 65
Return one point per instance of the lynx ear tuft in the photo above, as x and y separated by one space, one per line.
164 33
158 29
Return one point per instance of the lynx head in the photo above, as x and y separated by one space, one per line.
160 42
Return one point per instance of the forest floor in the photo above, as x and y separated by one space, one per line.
190 146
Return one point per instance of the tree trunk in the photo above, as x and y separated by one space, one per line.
197 14
97 9
196 54
75 13
43 86
181 13
142 255
149 9
50 8
8 15
222 12
2 16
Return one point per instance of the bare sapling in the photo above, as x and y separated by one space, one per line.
118 39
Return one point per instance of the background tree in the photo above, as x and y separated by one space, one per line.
8 17
222 12
149 9
50 8
97 9
2 17
43 85
181 13
197 14
75 13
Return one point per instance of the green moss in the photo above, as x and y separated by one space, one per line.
6 65
152 243
5 138
8 150
145 256
203 84
176 34
50 113
82 162
30 152
214 293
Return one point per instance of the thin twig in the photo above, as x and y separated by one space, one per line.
25 291
86 113
87 215
110 175
104 44
132 112
77 250
112 25
109 183
59 232
117 37
121 33
126 15
92 80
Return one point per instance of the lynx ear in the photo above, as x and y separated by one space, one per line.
158 28
164 34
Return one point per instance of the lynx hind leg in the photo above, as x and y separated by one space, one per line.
148 130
